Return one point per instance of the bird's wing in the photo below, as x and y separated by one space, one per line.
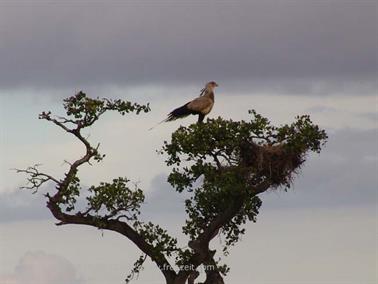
200 104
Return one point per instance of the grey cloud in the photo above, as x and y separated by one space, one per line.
163 199
373 116
320 108
21 205
343 175
290 44
39 267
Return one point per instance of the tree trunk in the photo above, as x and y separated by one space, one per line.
180 280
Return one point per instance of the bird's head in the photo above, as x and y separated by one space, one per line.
211 84
209 87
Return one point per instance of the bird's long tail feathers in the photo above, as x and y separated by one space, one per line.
177 113
164 120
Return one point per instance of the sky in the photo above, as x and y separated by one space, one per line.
282 58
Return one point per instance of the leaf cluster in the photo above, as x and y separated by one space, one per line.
157 237
116 199
85 111
137 268
71 192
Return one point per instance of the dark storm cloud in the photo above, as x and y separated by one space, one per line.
290 43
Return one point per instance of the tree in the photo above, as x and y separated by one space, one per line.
223 164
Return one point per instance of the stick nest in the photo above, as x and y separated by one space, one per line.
278 163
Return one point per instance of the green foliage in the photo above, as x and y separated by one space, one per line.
157 237
223 138
217 162
183 257
86 111
137 268
216 194
71 193
301 135
116 199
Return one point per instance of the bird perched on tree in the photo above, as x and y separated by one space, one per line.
200 106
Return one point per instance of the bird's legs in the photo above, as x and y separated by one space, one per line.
201 117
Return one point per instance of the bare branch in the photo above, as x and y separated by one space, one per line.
36 178
215 157
66 120
47 116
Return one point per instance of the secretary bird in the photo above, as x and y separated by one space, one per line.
200 106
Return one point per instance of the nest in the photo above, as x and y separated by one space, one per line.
278 163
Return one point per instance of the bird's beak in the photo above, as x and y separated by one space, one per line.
216 85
